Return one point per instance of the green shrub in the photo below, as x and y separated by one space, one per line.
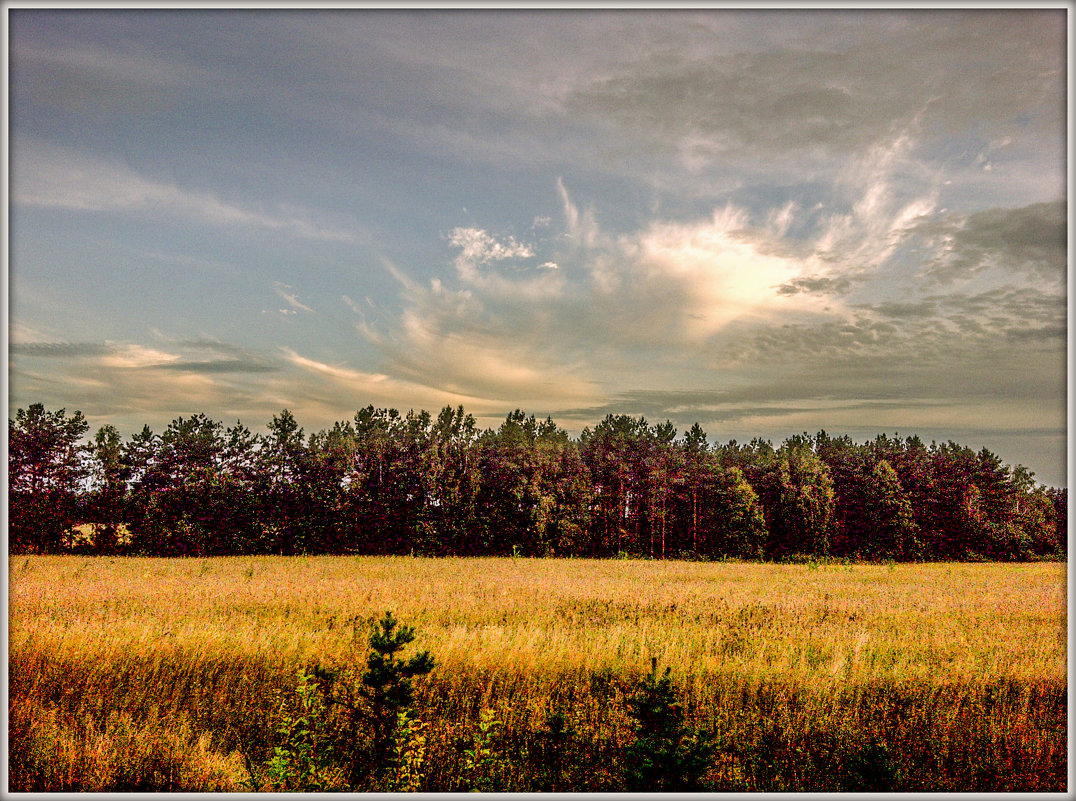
407 769
484 766
304 761
386 683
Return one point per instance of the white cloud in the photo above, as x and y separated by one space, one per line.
477 247
133 357
702 276
288 294
338 386
480 247
583 319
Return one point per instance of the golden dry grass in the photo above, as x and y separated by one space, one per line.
200 640
933 622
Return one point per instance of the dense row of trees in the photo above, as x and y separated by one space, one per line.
391 483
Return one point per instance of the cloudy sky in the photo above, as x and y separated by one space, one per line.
767 222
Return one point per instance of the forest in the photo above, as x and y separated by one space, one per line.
387 483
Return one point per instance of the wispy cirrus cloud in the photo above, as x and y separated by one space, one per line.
288 294
332 386
58 177
172 355
807 94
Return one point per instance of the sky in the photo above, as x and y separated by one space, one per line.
768 222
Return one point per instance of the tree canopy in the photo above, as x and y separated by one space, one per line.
391 483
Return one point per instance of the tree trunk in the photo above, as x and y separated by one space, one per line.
695 517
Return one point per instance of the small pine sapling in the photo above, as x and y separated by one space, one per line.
665 756
550 753
370 707
386 683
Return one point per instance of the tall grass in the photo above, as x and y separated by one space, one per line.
160 674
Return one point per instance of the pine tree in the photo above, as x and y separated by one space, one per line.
46 467
665 756
386 683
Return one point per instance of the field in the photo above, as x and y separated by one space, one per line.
132 673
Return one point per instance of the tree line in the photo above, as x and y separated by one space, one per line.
391 483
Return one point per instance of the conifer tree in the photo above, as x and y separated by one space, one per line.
46 467
665 756
386 683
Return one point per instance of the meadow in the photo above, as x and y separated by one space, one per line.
167 674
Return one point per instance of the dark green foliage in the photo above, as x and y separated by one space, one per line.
283 462
870 769
1058 543
386 483
550 755
453 484
105 505
386 683
796 491
339 731
530 500
875 518
665 756
46 465
741 529
194 489
614 453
